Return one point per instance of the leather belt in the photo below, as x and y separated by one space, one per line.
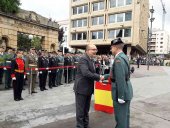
19 71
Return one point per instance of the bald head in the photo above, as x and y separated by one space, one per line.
91 50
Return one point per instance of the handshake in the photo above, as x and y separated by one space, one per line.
102 78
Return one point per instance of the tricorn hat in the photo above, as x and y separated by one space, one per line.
116 41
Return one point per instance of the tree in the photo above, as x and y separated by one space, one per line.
36 42
23 42
10 6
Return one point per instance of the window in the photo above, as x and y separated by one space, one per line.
79 36
120 3
161 46
100 35
97 35
127 32
74 10
112 3
94 20
119 33
95 6
94 35
84 22
98 20
74 23
128 2
79 23
120 17
80 9
98 6
85 8
74 36
111 34
128 16
112 18
101 5
161 38
101 20
84 36
161 42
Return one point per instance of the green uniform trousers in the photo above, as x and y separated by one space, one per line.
122 114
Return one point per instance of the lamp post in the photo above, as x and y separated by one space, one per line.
150 35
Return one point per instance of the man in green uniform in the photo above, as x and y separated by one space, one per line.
122 91
9 56
31 63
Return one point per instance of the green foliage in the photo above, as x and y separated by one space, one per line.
25 43
10 6
36 42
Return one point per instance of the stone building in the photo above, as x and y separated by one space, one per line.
30 23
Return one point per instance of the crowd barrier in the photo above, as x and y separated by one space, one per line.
30 70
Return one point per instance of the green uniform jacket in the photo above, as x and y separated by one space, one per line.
121 85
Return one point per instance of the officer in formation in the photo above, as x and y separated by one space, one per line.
122 91
2 63
53 62
43 62
59 71
18 74
9 56
31 64
67 71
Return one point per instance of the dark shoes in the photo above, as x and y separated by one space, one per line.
16 99
33 92
41 89
19 99
45 89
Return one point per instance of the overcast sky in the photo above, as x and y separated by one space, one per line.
59 10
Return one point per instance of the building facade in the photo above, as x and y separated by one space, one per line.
100 21
159 44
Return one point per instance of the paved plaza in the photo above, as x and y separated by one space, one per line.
55 107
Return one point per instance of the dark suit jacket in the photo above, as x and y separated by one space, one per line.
85 77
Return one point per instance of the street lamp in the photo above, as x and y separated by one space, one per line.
150 35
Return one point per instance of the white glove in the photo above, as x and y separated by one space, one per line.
121 101
5 68
36 69
40 72
49 71
24 76
14 78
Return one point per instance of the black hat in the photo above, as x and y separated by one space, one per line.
116 41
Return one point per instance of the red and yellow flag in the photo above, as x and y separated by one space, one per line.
103 98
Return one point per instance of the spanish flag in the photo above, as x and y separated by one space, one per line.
103 98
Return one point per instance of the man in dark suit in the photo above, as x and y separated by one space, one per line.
84 86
